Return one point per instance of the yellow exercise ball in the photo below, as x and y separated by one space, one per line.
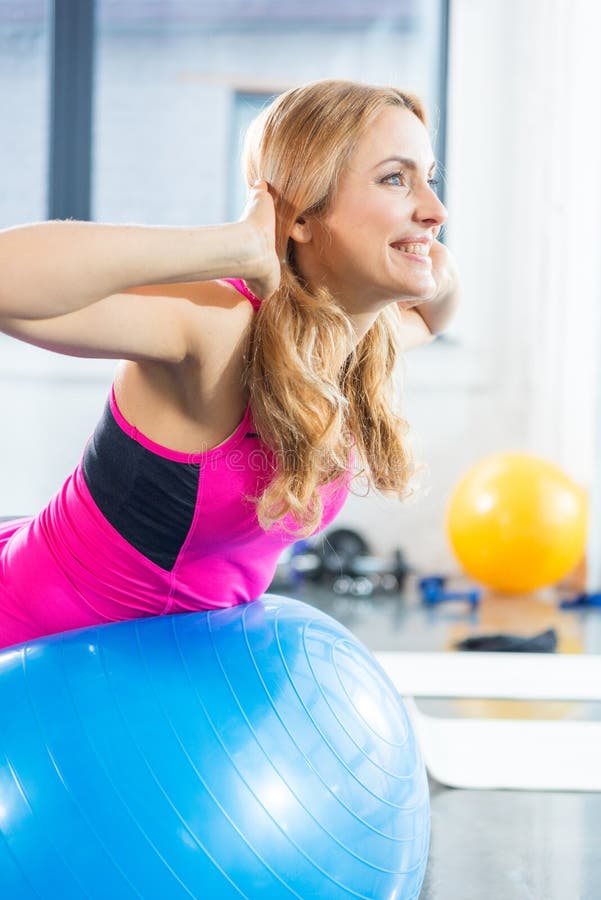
517 522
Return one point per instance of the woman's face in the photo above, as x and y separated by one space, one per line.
381 202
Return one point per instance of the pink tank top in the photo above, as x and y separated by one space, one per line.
141 530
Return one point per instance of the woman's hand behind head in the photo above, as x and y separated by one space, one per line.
264 270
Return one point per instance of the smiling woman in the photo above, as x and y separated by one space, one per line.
323 149
258 365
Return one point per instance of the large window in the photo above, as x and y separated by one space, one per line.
177 83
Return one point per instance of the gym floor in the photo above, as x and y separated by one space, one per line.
491 845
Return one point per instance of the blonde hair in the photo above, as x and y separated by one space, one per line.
314 404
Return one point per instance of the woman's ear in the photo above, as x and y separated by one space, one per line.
301 231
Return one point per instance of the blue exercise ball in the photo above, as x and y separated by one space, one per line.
258 751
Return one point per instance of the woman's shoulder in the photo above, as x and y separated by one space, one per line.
221 314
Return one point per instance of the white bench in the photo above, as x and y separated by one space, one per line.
563 755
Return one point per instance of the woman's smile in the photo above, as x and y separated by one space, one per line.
414 252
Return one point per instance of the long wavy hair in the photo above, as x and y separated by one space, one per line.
321 410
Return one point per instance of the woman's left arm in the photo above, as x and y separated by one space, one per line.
422 322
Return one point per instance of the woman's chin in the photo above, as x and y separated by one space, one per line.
421 287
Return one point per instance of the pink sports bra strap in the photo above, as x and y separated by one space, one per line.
241 286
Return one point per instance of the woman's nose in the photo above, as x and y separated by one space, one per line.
431 210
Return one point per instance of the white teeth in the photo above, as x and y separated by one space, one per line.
421 249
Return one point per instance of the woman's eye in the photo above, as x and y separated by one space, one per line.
401 180
400 176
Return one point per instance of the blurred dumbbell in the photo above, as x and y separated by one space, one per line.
433 592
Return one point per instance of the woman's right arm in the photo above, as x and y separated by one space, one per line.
63 284
52 268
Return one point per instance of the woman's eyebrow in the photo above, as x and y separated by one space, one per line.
405 161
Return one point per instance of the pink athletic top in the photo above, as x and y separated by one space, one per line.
141 530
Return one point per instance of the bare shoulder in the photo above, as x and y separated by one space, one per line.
201 399
219 315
